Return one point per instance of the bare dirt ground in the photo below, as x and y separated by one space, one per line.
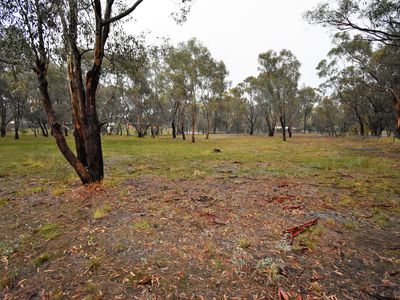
208 238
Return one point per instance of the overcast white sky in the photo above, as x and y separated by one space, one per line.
236 31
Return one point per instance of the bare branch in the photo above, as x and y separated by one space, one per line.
123 14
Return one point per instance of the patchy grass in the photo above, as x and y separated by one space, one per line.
3 202
49 231
102 211
141 225
41 259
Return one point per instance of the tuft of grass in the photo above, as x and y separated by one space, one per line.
92 292
58 191
346 200
244 244
4 202
141 225
309 238
41 259
49 231
94 264
350 225
7 280
381 219
101 212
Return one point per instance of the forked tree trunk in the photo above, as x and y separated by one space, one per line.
43 128
41 72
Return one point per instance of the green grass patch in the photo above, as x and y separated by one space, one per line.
381 219
41 259
102 211
141 225
336 162
3 202
49 231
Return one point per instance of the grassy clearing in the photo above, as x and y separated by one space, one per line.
369 167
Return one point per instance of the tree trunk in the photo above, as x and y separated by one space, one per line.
41 71
251 129
290 131
16 130
183 129
173 129
43 128
34 130
305 122
362 127
283 125
3 125
208 127
397 109
127 129
193 122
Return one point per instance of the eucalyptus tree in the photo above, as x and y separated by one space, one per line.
281 72
327 116
176 89
249 93
267 103
5 105
37 29
307 97
232 111
374 21
194 78
357 73
214 85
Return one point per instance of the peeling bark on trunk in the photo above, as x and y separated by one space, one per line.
56 127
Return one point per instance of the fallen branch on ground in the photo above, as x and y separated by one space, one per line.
295 231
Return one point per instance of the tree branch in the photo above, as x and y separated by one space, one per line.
122 15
